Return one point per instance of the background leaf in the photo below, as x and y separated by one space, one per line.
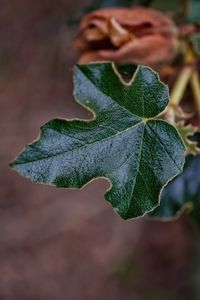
196 42
193 11
183 193
124 143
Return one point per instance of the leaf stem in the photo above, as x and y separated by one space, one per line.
195 84
180 85
178 91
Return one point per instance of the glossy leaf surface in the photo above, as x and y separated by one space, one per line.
124 142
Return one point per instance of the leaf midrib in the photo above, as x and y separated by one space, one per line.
83 146
138 170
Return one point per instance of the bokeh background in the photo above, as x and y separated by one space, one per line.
64 244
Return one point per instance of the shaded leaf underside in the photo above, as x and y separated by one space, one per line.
182 195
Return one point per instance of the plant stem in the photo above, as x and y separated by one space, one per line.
178 91
180 85
195 84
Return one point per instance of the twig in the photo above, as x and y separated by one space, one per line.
180 85
178 91
195 84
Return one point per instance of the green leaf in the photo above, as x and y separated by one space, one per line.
124 143
193 11
182 195
196 42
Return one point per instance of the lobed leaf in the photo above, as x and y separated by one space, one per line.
124 142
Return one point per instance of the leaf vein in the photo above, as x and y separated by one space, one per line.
163 146
85 145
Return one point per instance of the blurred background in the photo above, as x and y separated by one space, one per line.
64 244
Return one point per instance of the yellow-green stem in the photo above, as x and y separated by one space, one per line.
178 91
195 84
180 85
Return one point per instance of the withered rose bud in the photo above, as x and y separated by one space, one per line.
137 35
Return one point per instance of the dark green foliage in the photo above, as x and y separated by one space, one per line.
124 143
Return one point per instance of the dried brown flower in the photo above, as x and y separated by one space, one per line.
137 35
